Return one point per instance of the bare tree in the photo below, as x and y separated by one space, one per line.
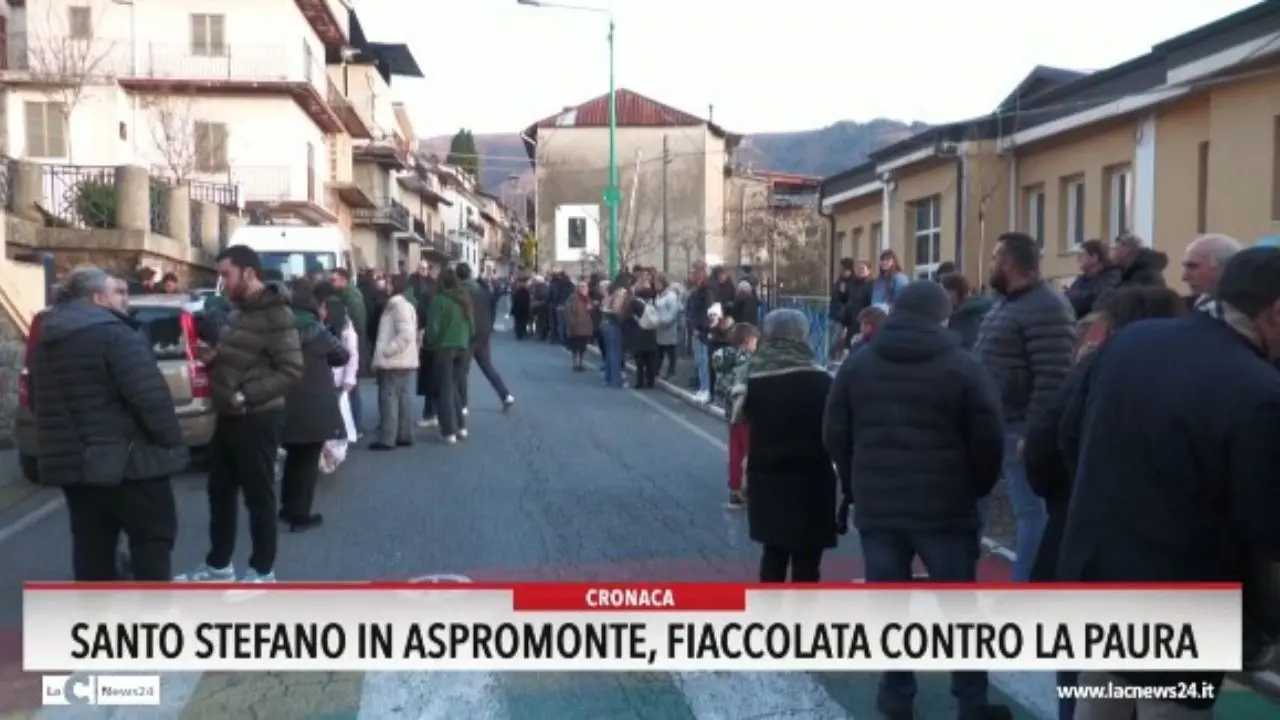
795 236
173 132
64 56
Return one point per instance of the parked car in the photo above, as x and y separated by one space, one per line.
170 324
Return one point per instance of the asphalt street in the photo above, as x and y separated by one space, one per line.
575 482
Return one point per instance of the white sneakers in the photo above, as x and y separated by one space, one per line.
462 434
428 423
464 412
702 396
450 439
508 401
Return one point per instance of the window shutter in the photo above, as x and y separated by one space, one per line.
80 20
220 147
202 147
55 138
198 44
34 119
217 36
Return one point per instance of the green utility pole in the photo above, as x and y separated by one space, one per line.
613 192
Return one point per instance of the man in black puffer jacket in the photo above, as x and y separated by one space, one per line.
106 430
913 426
1025 342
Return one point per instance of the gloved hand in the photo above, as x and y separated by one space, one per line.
842 516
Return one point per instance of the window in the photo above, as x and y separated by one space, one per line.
840 249
1119 201
211 147
80 22
577 233
855 247
1035 213
45 130
1072 213
1202 188
207 35
928 233
877 233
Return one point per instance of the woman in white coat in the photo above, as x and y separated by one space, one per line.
395 358
668 306
344 381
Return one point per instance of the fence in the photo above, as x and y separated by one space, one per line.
813 307
6 172
80 196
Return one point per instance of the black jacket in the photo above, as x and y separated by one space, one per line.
1085 291
913 425
746 308
701 298
789 477
482 312
849 296
966 320
561 289
311 413
1146 269
95 383
635 338
1025 342
1174 428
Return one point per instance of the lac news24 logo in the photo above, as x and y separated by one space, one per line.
100 690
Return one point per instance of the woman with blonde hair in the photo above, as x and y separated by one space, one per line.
614 311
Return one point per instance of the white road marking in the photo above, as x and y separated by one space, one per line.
431 696
12 530
731 696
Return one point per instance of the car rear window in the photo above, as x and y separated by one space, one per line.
162 327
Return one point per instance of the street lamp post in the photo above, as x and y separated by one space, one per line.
612 193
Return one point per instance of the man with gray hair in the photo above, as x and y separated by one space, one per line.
1202 264
1140 265
106 429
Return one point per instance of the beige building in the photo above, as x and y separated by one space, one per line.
1182 140
667 158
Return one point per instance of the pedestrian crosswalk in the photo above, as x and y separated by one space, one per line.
554 696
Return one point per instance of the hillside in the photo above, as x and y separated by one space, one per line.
819 152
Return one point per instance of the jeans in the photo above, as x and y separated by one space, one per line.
144 510
242 461
357 408
702 359
1029 513
451 378
395 407
611 333
948 557
559 326
428 408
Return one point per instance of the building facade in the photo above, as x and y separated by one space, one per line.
1180 141
672 179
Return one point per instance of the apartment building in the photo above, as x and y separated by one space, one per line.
1182 140
463 227
205 93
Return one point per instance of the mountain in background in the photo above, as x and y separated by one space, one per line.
821 152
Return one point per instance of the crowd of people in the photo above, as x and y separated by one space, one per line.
283 362
1132 427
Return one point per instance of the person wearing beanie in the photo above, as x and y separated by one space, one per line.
913 427
1172 431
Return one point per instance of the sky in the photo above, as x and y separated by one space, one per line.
757 65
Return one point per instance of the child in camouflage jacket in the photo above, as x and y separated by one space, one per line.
731 365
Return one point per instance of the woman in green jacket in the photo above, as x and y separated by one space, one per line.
448 333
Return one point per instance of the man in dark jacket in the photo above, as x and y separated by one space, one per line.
1025 342
700 299
967 308
257 361
1140 265
1176 460
913 426
482 321
106 430
850 294
1097 276
560 289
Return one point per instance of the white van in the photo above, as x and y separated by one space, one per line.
293 251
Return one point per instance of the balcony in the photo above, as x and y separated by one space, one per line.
328 18
179 68
388 215
354 122
385 148
420 186
283 190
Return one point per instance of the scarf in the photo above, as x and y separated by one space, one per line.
775 357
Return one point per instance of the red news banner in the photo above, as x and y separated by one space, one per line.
361 627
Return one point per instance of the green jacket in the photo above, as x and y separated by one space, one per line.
447 325
353 301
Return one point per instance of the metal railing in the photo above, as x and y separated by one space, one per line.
388 212
220 194
8 167
196 223
79 196
267 183
159 193
420 229
45 54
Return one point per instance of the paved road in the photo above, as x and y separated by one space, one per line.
576 482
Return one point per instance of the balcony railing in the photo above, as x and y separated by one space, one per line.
387 213
420 229
114 57
273 183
